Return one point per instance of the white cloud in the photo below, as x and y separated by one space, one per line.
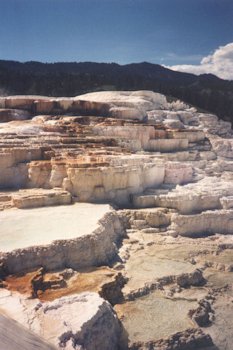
219 63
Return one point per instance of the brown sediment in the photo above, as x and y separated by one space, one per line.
52 285
21 283
86 280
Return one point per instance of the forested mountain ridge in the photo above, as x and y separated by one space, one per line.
206 91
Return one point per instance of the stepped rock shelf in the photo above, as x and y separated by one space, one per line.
116 224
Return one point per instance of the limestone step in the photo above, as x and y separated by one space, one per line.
148 198
167 145
5 205
227 202
139 224
33 198
208 193
143 201
206 223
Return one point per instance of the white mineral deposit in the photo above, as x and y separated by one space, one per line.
116 224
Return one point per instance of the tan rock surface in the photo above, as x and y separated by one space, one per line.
85 321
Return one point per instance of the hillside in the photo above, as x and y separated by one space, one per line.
69 79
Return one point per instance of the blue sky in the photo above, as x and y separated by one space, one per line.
169 32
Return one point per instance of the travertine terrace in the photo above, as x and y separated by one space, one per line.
116 223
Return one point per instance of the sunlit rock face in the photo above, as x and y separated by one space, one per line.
115 197
84 320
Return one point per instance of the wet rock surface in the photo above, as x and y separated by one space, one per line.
152 270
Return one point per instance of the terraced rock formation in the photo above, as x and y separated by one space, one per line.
116 223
